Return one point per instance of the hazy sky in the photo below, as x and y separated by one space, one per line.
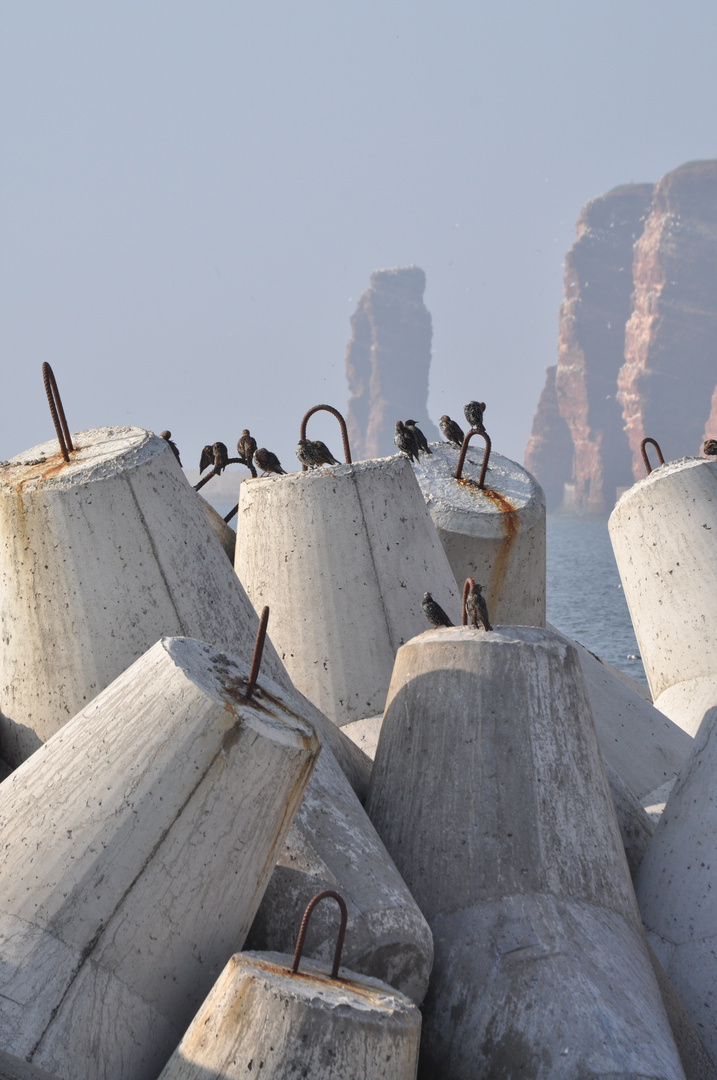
194 194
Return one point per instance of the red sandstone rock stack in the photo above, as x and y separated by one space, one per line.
637 342
387 361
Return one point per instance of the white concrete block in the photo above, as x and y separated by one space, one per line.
343 557
135 846
495 535
489 791
260 1019
99 559
663 533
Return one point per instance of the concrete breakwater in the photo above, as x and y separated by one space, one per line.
163 815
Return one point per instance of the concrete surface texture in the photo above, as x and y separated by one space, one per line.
541 967
343 557
677 885
136 845
663 533
99 558
260 1019
332 845
223 532
696 1062
495 535
12 1068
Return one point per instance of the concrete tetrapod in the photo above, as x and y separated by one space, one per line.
332 845
663 533
489 791
259 1018
496 534
136 845
676 885
343 557
100 558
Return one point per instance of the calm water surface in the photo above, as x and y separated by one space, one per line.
584 595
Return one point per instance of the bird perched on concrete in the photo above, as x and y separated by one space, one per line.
267 462
167 436
476 607
405 441
246 446
207 458
473 413
434 612
419 438
220 455
710 447
451 430
314 453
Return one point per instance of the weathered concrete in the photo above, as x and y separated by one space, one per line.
333 845
223 532
98 559
365 733
696 1062
12 1068
259 1017
495 535
636 826
343 558
677 885
663 534
540 962
135 848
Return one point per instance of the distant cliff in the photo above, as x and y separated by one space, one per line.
637 339
388 360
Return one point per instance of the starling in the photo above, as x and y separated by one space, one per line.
473 413
434 612
476 607
220 456
405 441
322 451
246 446
313 453
419 438
167 436
710 447
451 430
267 462
206 459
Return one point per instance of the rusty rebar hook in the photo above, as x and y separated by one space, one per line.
464 450
258 651
305 924
342 422
643 451
466 589
58 413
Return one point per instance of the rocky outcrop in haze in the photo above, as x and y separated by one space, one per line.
387 361
637 339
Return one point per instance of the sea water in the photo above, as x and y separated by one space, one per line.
584 595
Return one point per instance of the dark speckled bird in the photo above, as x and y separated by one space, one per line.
167 436
246 446
710 447
405 441
313 453
434 612
323 454
451 430
267 462
220 455
419 438
206 459
476 607
473 413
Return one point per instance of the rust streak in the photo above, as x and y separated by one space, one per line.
510 523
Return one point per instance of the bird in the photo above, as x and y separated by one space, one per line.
314 453
220 456
451 430
405 441
473 413
710 447
434 612
246 446
207 458
267 462
167 436
476 607
419 438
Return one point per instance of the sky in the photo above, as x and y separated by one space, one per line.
193 195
